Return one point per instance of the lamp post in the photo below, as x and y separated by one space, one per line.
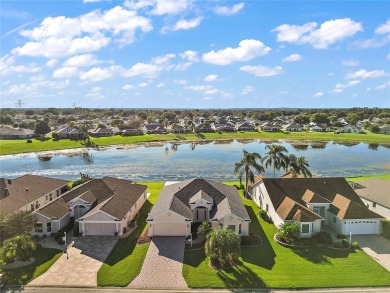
66 247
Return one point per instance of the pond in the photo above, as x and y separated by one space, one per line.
212 160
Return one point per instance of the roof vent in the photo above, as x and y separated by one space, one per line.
9 181
26 189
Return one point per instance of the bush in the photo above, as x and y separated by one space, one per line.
263 214
386 229
323 238
345 243
44 236
76 230
338 245
354 245
339 236
29 141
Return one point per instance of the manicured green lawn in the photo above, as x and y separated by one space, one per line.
360 178
44 259
274 266
20 146
125 261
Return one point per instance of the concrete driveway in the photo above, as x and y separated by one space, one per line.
375 246
86 256
162 268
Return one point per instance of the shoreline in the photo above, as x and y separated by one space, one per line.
83 151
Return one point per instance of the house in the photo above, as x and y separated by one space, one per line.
100 207
226 127
131 131
375 194
204 128
16 133
177 128
269 127
69 132
245 126
181 207
384 129
255 180
320 128
29 192
293 127
348 129
100 132
155 127
314 203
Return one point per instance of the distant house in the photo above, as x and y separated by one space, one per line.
293 127
269 127
177 128
224 127
100 207
384 129
69 132
245 126
320 128
100 132
29 193
375 194
204 128
131 131
155 128
182 206
15 133
348 129
314 203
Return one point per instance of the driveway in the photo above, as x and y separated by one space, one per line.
375 246
162 268
86 256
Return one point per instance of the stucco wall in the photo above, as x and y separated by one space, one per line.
234 220
379 209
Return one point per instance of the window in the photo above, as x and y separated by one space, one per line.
48 227
32 206
38 227
47 198
305 228
58 193
50 197
232 227
374 204
36 204
266 207
239 229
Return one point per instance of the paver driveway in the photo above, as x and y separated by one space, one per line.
376 246
163 265
86 256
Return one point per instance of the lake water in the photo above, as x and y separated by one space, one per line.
213 160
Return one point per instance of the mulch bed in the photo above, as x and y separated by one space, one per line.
144 238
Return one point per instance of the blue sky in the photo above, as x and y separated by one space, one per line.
195 54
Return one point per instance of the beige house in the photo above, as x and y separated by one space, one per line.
181 207
100 207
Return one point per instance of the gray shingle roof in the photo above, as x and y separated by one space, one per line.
56 209
376 190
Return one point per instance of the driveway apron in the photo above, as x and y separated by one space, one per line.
375 246
86 256
162 268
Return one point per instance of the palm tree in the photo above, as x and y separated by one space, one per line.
302 167
19 247
247 162
223 245
274 156
289 162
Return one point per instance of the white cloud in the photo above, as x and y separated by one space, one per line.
262 71
136 5
388 56
200 88
7 66
170 6
51 63
143 84
191 56
384 28
350 62
247 50
292 58
143 70
128 87
180 81
383 86
211 77
160 85
247 90
95 93
66 72
224 10
184 24
164 59
96 74
363 74
318 94
341 87
63 36
327 34
81 60
381 37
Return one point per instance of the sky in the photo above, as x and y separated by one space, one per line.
194 54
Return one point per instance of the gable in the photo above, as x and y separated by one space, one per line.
98 216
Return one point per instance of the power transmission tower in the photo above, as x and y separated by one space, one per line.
19 103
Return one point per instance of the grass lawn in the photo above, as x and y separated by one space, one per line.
20 146
360 178
44 259
125 261
274 266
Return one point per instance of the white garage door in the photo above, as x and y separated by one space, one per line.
99 229
362 227
169 229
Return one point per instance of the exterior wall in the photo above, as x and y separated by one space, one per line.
55 224
379 209
334 222
132 213
234 220
362 226
169 217
42 201
63 222
44 221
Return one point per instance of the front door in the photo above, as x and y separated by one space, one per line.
201 214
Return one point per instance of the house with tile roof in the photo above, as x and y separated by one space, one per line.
315 203
375 194
184 205
100 207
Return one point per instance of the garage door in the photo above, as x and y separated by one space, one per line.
99 229
169 229
362 227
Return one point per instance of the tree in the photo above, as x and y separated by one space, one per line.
375 128
289 163
289 232
274 156
302 167
41 127
204 229
320 118
19 247
247 162
223 245
16 223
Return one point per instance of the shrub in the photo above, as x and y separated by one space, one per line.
76 230
55 136
345 243
338 245
44 236
354 245
323 238
20 247
386 229
289 232
29 141
60 241
339 236
263 214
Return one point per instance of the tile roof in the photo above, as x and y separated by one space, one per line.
346 203
25 190
256 179
376 190
177 197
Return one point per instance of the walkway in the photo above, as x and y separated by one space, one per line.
162 268
86 256
375 246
